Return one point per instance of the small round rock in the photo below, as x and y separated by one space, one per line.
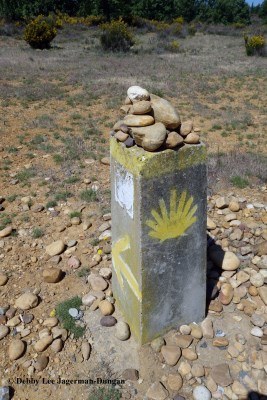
201 393
16 349
41 363
74 313
108 321
3 279
256 331
4 330
157 344
122 331
185 329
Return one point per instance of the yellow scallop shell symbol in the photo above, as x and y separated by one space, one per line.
175 223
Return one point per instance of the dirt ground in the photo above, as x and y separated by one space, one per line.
57 108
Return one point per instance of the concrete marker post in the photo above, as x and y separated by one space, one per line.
158 205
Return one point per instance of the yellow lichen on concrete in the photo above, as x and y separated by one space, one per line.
149 164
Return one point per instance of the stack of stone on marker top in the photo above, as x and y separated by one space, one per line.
152 123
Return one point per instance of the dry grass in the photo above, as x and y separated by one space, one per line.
71 93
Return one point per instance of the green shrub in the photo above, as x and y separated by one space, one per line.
40 32
37 233
51 204
4 220
239 182
254 45
105 394
173 46
192 29
75 214
88 195
116 36
62 312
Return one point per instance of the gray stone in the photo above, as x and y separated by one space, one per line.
201 393
71 243
261 248
257 280
97 282
258 320
137 93
130 374
256 331
122 330
129 142
27 318
262 264
157 344
88 299
108 320
73 312
4 393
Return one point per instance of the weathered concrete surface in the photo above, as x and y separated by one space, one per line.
159 236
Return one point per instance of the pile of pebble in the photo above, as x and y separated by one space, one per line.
152 123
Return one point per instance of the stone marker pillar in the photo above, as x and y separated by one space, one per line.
159 237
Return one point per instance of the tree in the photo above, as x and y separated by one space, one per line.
263 10
229 11
188 9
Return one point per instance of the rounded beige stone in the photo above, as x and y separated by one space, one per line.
171 354
175 382
43 343
173 140
192 138
186 128
16 349
26 301
106 307
189 354
3 279
55 248
138 120
141 107
6 231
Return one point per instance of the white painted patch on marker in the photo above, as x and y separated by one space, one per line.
124 191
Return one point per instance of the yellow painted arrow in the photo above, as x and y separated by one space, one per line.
121 268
